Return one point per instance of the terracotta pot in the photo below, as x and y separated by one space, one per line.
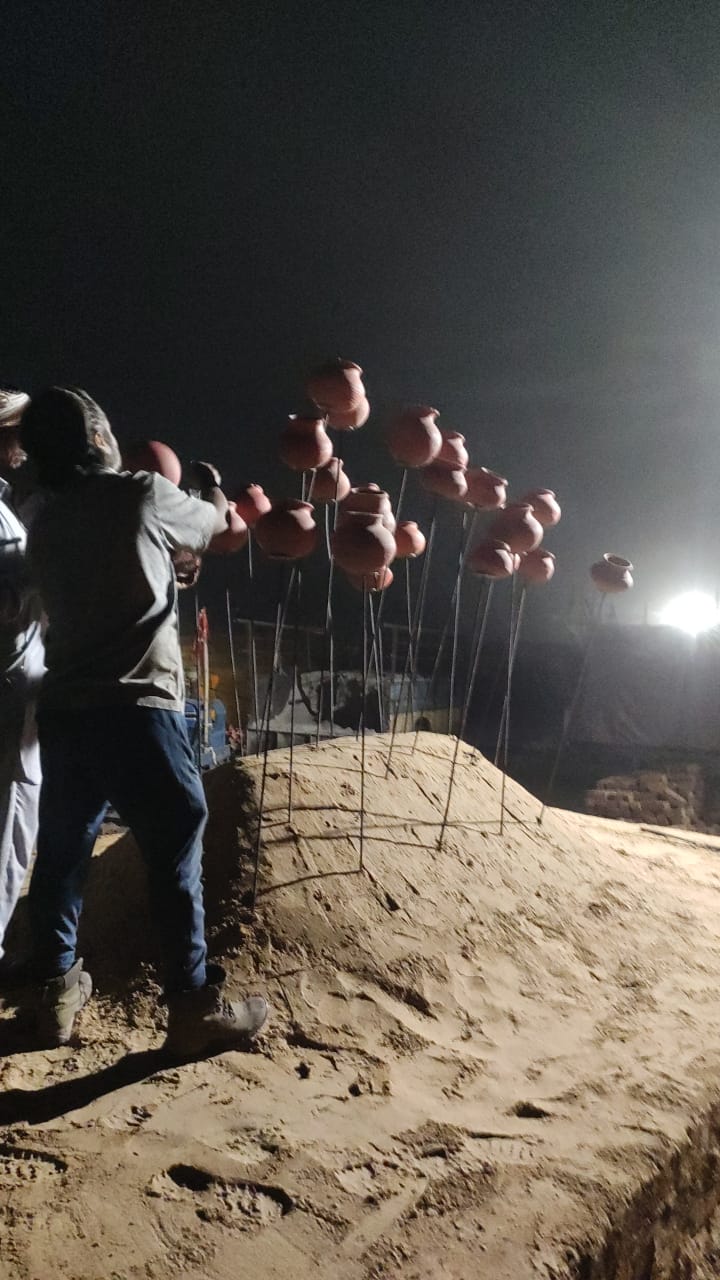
251 503
305 444
337 385
330 482
545 505
486 490
372 582
186 567
234 538
612 574
448 482
361 543
351 420
153 455
369 497
452 450
537 566
517 526
413 438
288 531
493 559
409 540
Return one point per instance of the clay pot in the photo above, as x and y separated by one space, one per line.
517 526
409 540
452 450
369 497
234 538
371 582
612 574
413 438
288 531
186 567
537 566
493 559
351 420
153 455
486 490
305 443
330 482
448 482
545 505
251 503
337 385
361 544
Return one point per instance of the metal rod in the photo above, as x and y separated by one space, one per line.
417 627
505 719
479 628
363 714
231 646
253 644
197 677
570 713
296 634
456 621
267 716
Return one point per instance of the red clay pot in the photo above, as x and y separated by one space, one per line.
330 482
372 582
153 455
448 482
305 443
493 559
537 566
612 574
409 540
545 505
413 438
186 567
234 538
452 450
517 526
351 420
251 503
369 497
361 544
288 531
486 490
337 385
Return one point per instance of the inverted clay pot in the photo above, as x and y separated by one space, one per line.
288 531
251 503
537 566
612 574
452 450
492 559
330 482
371 582
410 541
413 438
153 455
369 497
447 482
305 444
234 538
350 420
186 567
361 544
517 526
486 490
545 505
337 385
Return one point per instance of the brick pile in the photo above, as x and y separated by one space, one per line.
673 798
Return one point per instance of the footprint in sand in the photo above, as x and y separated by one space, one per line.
20 1164
230 1202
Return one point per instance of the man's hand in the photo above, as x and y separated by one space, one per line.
204 476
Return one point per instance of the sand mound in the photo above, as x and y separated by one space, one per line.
499 1059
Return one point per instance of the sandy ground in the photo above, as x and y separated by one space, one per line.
485 1061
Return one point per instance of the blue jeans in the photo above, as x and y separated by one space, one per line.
139 760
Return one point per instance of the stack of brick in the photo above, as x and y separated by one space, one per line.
673 798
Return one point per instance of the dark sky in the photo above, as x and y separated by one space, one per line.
511 211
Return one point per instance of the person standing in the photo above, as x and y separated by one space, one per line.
111 713
21 669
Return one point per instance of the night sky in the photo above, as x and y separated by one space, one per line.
510 211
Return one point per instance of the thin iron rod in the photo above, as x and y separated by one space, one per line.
363 714
296 636
505 721
456 621
267 711
481 611
197 679
570 714
253 644
418 631
231 646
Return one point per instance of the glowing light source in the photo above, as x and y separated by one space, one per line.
695 611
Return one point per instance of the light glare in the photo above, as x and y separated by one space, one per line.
693 612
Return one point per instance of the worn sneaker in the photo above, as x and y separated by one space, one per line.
60 1002
202 1020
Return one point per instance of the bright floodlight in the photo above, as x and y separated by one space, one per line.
693 612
